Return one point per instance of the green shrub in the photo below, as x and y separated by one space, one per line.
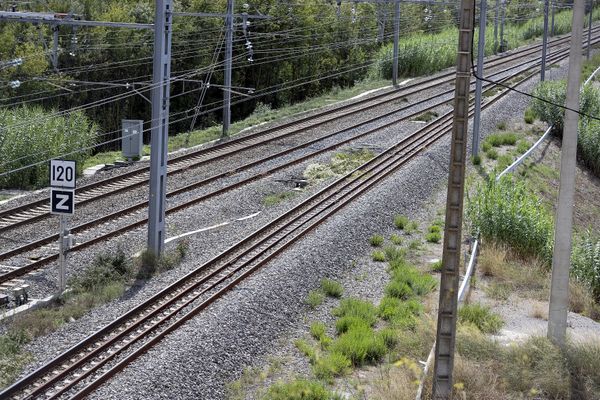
485 147
508 212
481 317
331 365
502 139
400 221
314 299
586 263
332 288
433 237
523 146
317 330
306 349
357 308
396 239
347 322
529 116
398 289
476 160
393 253
435 229
492 154
30 135
400 313
106 269
376 240
555 92
360 344
411 227
389 337
378 256
589 144
300 389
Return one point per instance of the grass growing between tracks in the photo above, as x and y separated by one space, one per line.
105 280
390 336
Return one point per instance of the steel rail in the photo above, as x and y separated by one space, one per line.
132 209
37 210
388 162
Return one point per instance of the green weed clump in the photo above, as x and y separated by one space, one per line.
331 365
332 288
400 221
376 240
434 235
507 212
492 154
300 389
314 299
393 253
360 345
481 317
529 116
378 256
589 144
502 139
523 146
396 239
360 309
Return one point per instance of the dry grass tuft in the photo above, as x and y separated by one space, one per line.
398 381
538 311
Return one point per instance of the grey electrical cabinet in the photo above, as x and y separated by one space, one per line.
132 139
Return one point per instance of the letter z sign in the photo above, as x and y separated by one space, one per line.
62 201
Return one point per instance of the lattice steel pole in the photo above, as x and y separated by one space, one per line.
479 83
159 125
396 39
446 326
228 67
545 41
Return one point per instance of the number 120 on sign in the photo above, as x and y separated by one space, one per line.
62 174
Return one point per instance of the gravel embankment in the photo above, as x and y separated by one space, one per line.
212 349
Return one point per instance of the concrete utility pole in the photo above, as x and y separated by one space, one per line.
589 38
479 83
228 66
446 325
544 41
496 26
54 56
561 258
159 125
396 40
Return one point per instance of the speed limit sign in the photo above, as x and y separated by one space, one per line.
62 174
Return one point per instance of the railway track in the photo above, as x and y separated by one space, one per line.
87 228
39 209
83 368
87 365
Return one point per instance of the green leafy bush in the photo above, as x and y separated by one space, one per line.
433 237
357 308
506 211
29 135
589 144
378 256
331 365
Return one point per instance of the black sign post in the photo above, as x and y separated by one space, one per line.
62 203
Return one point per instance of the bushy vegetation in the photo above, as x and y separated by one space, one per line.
481 317
332 288
376 240
586 263
300 389
29 135
506 211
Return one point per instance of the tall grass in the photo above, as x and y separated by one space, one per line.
506 211
29 135
585 263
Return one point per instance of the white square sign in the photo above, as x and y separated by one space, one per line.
62 174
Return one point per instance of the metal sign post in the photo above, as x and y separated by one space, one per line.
62 203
